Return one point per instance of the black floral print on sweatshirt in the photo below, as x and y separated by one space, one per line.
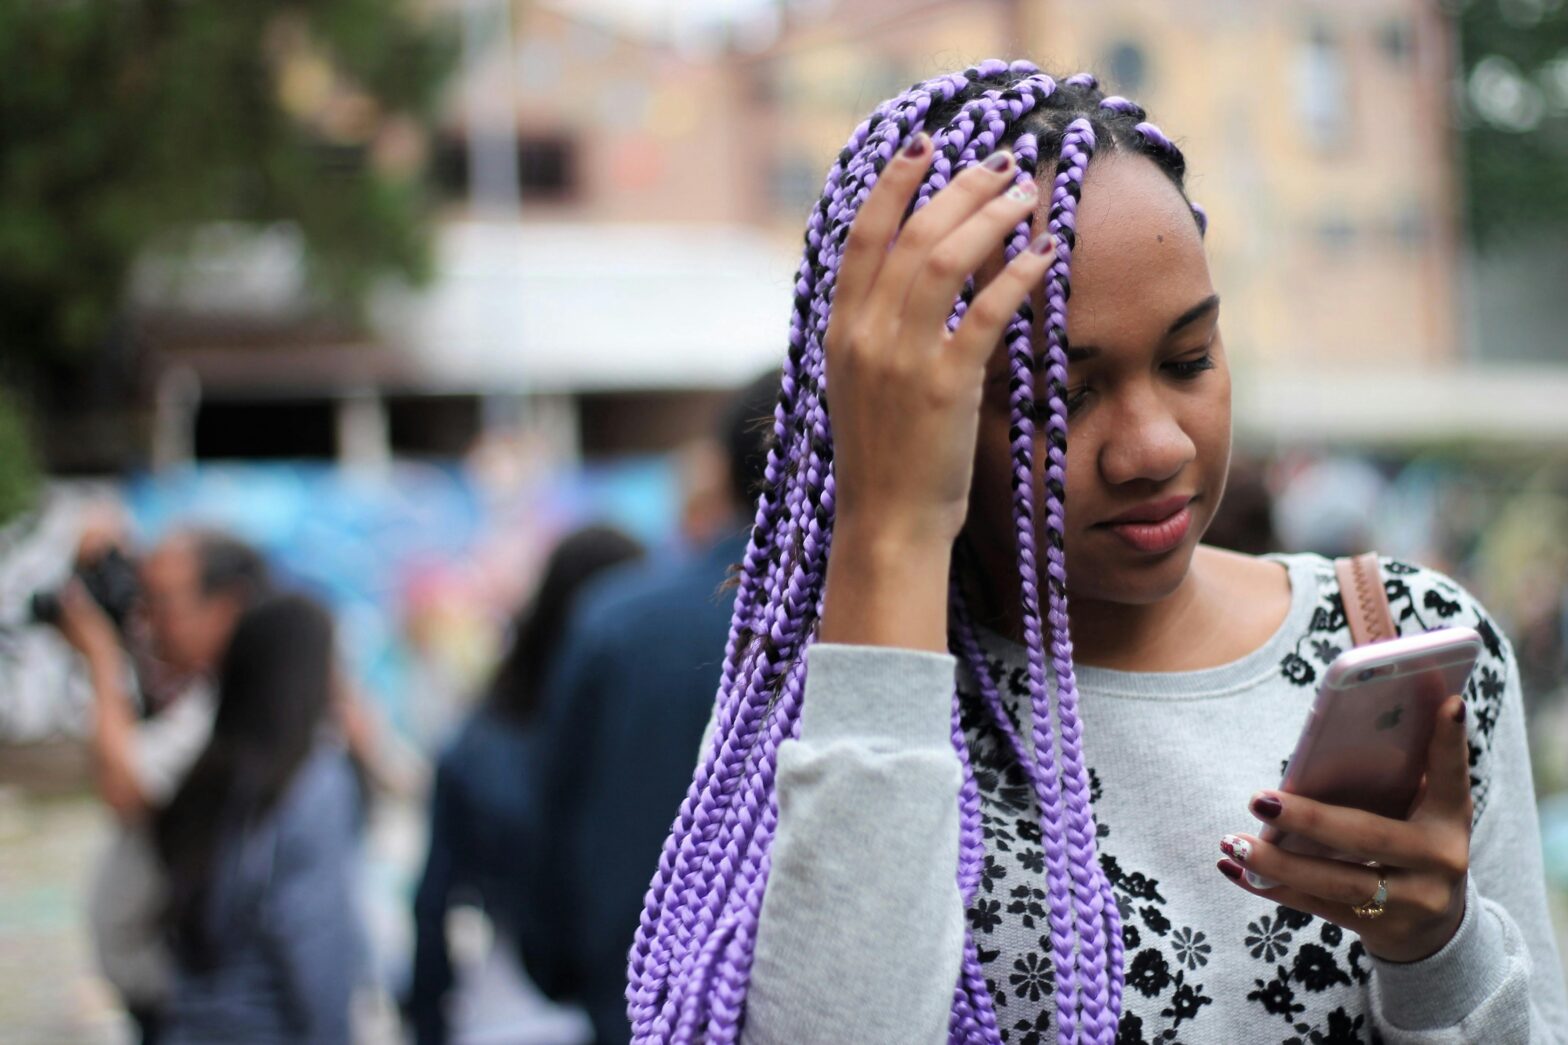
1309 982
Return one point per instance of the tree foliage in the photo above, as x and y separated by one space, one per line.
1514 117
18 472
126 122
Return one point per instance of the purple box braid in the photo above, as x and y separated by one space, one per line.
691 960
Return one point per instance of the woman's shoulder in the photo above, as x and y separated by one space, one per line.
481 740
1420 599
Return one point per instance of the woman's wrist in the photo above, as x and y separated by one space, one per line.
886 589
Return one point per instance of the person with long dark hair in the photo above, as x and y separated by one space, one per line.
483 814
258 847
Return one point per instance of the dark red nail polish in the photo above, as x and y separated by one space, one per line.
999 161
1459 713
1230 869
1266 807
917 145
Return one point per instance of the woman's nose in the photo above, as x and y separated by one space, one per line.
1146 441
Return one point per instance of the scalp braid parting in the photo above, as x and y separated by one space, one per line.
691 960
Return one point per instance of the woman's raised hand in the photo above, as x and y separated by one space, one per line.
904 393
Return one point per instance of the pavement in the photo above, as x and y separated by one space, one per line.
51 835
50 991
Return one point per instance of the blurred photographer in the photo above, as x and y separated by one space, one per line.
192 590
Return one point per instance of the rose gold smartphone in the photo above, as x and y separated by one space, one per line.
1365 740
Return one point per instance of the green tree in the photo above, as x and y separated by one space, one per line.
18 474
124 123
1514 117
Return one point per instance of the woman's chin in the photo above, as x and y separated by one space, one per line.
1129 576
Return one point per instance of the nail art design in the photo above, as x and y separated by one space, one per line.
998 161
1230 869
1237 848
1023 192
1265 807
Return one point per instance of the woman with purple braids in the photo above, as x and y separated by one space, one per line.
990 710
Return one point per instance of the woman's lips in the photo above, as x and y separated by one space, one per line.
1155 537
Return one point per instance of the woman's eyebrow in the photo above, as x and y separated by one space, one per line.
1079 353
1202 308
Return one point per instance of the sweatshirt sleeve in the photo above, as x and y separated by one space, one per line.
861 931
1499 980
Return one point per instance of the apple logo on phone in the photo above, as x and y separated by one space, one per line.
1390 718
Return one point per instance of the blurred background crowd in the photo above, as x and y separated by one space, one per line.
405 356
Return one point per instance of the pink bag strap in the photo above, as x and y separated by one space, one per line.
1366 603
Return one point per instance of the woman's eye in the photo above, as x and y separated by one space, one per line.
1075 397
1190 368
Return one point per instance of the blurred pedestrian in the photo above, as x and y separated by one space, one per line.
483 813
193 588
259 844
638 670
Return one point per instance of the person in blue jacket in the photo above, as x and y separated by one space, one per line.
638 669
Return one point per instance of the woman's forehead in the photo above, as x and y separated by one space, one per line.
1138 261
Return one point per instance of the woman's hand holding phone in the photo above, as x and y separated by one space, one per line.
1424 859
905 393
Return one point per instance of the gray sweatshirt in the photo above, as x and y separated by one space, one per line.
862 925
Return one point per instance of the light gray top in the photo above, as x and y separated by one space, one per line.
862 925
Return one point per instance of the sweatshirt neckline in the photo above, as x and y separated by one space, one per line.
1205 683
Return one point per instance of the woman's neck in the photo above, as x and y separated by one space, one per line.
1226 606
1156 636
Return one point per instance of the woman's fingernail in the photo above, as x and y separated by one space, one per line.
1265 807
1236 847
1459 713
999 161
1043 244
1230 869
917 145
1023 192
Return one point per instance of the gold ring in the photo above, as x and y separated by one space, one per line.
1373 908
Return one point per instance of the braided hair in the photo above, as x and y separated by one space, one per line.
691 959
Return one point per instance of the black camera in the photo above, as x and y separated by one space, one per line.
110 579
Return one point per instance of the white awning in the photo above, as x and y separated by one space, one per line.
532 308
1473 402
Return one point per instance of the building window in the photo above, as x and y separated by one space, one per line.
616 424
266 429
1411 228
438 426
1336 233
1394 40
546 166
796 183
1127 68
1321 88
